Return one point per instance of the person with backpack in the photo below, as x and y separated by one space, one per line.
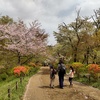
61 73
52 76
71 75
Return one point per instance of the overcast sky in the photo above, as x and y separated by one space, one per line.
49 13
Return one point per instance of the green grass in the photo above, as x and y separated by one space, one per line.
11 82
92 82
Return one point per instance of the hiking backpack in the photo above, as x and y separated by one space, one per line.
62 69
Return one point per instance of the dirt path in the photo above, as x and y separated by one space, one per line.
38 89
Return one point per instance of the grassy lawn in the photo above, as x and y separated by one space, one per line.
11 83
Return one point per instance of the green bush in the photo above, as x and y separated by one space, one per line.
33 70
2 70
0 79
3 76
9 72
96 85
11 78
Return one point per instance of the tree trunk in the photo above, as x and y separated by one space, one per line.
19 58
27 60
94 59
87 56
75 57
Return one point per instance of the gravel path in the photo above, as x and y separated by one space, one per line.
38 89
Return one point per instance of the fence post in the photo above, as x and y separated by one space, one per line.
89 78
9 92
16 85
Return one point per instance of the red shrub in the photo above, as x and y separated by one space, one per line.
19 70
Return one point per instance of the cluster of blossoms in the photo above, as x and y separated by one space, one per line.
23 40
20 69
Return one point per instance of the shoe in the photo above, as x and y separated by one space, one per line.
50 85
53 86
61 87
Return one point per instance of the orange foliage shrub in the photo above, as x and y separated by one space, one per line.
94 70
20 70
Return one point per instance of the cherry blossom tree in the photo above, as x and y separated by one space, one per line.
24 40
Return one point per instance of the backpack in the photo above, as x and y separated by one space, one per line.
53 73
62 69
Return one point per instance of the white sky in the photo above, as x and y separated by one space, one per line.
49 13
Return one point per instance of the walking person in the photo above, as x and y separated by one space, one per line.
52 76
71 75
61 73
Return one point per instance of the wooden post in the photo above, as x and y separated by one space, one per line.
16 85
9 92
89 79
